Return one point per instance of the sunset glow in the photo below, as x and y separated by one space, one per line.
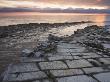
34 5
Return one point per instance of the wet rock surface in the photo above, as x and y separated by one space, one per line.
81 57
16 38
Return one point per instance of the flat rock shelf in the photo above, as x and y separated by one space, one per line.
74 60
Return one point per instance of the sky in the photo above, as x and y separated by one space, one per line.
71 6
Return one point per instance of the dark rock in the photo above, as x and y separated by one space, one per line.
3 35
94 64
104 39
54 38
98 46
46 47
107 29
27 53
38 54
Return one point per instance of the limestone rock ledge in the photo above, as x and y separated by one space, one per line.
81 57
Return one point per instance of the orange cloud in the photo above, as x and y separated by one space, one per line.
63 4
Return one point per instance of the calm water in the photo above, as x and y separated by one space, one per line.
18 18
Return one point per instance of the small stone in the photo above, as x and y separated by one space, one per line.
46 47
26 52
53 38
52 65
38 54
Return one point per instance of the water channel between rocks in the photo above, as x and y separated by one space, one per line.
63 31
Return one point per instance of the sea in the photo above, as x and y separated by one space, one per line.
25 18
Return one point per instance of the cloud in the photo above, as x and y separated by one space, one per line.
35 5
55 10
100 3
73 2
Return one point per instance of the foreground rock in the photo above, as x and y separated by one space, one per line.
16 38
41 50
82 57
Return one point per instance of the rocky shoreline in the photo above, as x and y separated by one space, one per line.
9 30
83 55
15 38
95 37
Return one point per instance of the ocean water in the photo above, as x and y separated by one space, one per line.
25 18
